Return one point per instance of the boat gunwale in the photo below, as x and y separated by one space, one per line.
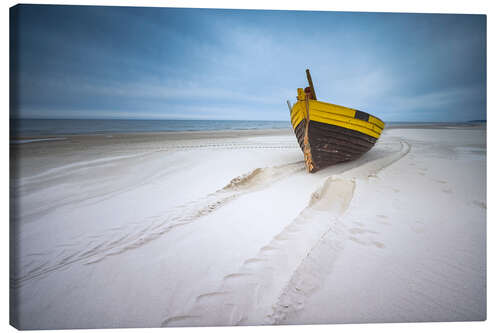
373 128
345 107
360 121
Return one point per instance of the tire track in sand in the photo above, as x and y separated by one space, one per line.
285 271
114 241
318 263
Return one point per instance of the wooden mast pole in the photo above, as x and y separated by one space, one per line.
309 79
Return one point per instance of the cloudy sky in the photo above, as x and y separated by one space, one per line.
166 63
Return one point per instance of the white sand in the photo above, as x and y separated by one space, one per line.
229 229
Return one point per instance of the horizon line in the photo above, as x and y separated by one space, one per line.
180 119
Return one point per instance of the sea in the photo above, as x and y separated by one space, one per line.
46 127
22 128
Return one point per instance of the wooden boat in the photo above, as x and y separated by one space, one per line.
329 133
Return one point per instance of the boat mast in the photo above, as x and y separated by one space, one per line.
309 79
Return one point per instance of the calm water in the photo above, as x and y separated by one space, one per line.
36 127
50 127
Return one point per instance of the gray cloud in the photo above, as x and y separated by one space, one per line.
189 63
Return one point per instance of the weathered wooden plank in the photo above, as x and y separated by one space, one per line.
330 144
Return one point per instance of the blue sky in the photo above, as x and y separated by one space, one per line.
169 63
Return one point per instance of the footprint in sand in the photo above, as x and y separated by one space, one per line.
377 244
418 227
418 230
360 231
356 240
382 219
447 190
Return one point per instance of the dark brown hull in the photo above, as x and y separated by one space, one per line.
330 144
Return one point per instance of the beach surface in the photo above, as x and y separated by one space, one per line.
228 228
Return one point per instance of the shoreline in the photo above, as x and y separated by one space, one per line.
34 154
225 133
168 134
41 153
436 125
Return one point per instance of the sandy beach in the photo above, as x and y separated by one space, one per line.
227 228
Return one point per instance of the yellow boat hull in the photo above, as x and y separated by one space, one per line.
329 133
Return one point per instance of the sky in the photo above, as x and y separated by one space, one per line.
175 63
